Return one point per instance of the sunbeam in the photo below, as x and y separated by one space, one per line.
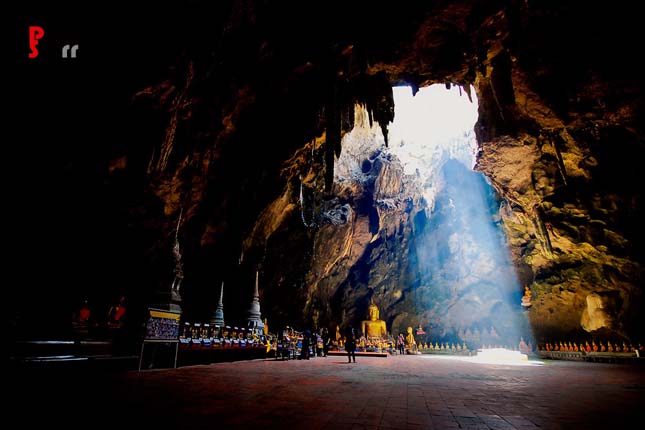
467 289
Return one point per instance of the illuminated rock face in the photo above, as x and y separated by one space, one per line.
447 268
249 117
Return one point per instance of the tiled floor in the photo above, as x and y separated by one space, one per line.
397 392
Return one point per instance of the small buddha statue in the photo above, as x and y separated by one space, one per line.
526 299
374 327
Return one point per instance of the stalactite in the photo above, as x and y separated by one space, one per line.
347 122
499 105
372 91
149 169
171 130
561 167
179 271
385 104
544 233
302 206
332 139
467 91
385 132
414 87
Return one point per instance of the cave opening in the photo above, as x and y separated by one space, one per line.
459 284
466 288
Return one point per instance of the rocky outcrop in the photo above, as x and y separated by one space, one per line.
375 239
568 218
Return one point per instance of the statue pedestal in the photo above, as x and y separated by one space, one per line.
167 301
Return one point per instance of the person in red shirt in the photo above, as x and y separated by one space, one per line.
116 314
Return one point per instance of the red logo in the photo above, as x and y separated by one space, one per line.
35 33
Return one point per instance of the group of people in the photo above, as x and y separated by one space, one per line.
115 318
312 344
402 342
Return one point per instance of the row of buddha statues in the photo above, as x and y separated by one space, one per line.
374 334
443 347
456 348
214 336
591 347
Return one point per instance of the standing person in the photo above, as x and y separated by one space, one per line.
350 345
400 344
116 314
304 351
326 338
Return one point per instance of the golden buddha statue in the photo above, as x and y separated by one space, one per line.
526 298
409 339
374 327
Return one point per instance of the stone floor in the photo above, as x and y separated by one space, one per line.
397 392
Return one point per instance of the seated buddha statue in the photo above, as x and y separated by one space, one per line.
374 327
526 298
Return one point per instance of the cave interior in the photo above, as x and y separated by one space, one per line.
223 128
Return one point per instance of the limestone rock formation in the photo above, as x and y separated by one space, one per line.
237 113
